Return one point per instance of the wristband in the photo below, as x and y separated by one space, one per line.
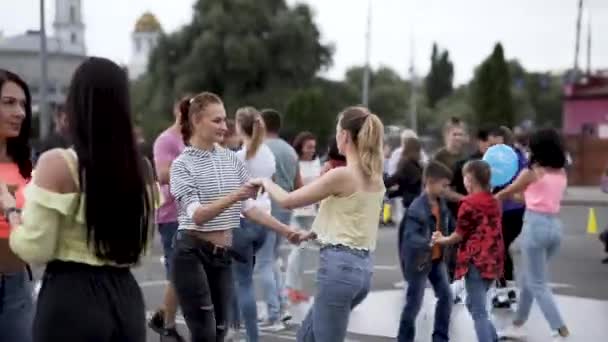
11 210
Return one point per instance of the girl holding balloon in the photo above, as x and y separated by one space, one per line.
543 185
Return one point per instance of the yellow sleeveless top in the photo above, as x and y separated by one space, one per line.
351 221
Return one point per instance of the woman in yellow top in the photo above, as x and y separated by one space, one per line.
88 216
16 306
346 225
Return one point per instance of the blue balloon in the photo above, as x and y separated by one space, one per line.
503 162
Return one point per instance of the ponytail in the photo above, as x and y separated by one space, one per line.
252 124
367 134
257 136
184 120
369 146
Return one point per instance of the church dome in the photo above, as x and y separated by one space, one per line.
147 23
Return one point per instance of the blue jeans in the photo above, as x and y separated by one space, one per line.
343 281
167 236
267 267
539 241
438 276
246 241
477 290
16 307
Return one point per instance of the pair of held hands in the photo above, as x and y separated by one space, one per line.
255 187
251 189
438 239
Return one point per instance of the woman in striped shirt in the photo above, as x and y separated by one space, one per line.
211 187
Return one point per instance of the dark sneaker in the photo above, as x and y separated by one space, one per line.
171 335
157 322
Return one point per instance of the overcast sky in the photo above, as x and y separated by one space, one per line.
540 33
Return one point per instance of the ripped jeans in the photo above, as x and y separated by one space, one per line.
202 277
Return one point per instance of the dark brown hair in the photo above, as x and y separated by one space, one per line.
411 151
367 133
436 171
251 123
480 170
301 139
18 148
194 106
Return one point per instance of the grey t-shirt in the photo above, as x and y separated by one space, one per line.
286 160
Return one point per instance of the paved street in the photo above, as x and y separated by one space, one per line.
578 277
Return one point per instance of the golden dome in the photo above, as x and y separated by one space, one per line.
147 23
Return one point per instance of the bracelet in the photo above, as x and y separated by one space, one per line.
9 211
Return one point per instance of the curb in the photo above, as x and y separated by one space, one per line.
586 203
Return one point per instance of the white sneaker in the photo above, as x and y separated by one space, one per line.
513 332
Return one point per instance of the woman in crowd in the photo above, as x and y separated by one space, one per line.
346 226
88 215
334 158
305 145
211 187
248 240
407 178
16 310
543 185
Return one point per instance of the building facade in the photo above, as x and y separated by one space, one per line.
66 50
144 39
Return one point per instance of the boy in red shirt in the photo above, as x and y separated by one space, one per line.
480 258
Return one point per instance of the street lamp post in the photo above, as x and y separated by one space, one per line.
43 113
366 70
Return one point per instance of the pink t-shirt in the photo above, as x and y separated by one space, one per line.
546 193
167 147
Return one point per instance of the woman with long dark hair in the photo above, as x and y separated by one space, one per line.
88 216
212 190
543 185
16 308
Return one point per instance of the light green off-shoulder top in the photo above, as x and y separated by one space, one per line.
53 225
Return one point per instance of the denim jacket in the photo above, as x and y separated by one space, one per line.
417 229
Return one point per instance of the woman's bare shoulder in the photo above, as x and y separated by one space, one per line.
53 172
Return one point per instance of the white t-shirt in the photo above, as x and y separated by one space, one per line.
309 171
262 165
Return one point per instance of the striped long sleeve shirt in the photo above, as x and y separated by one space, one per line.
200 177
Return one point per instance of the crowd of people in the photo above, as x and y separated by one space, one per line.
224 194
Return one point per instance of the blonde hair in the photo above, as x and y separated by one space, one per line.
252 124
367 133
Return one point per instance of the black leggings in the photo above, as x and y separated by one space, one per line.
84 303
202 277
512 222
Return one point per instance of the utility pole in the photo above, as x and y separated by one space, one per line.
413 115
43 111
577 41
589 43
366 70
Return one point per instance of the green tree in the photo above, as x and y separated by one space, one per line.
440 77
389 93
491 96
238 49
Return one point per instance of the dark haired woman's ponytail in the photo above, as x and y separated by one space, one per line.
184 120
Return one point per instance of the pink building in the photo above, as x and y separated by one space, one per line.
586 107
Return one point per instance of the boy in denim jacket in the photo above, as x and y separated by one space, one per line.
421 260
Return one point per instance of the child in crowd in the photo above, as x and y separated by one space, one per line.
480 258
428 213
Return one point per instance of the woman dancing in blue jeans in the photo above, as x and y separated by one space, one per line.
346 226
543 186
